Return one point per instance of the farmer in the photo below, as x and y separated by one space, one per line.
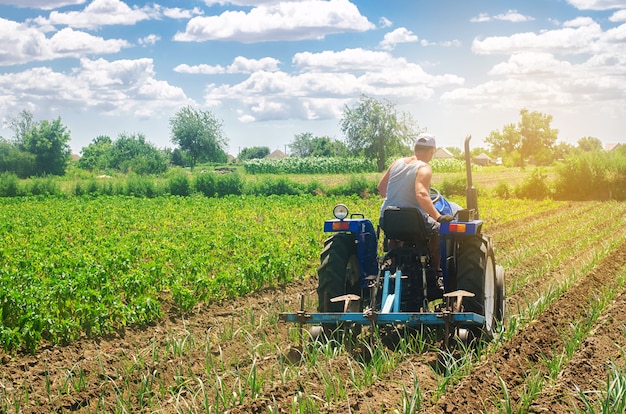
406 183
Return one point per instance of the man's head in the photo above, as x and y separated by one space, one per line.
424 143
425 146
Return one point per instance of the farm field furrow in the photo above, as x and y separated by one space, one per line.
228 353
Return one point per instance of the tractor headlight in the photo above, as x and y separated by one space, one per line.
340 211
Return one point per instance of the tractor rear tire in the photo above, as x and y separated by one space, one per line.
338 272
477 274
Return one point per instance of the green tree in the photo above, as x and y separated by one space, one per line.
22 125
250 153
48 142
200 135
377 130
97 155
590 144
307 145
532 138
131 152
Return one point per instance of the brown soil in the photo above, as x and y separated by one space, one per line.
163 367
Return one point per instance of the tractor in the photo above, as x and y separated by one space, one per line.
357 286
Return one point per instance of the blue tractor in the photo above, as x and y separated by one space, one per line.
358 286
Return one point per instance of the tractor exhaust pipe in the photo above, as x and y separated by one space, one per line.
471 194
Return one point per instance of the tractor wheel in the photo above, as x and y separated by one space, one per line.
338 274
477 274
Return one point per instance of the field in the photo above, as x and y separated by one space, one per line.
184 296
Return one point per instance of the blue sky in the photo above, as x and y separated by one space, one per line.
271 69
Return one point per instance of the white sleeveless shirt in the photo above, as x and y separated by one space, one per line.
401 185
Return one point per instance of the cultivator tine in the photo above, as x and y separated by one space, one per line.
347 300
454 304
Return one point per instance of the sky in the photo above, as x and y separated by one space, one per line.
269 70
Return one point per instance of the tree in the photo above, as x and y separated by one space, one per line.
21 125
307 145
376 130
97 155
48 142
532 137
250 153
590 144
133 153
200 135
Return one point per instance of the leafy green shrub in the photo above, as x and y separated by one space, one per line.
592 175
179 185
229 184
503 190
357 185
280 186
453 186
534 186
9 185
140 186
43 186
205 183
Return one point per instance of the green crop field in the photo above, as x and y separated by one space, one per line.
170 304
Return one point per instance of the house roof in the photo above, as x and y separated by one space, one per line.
276 154
443 153
611 147
483 156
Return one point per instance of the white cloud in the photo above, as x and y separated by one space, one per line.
111 87
178 13
240 65
149 40
618 16
597 4
533 76
42 4
400 35
384 22
100 13
511 16
327 81
312 19
20 43
570 40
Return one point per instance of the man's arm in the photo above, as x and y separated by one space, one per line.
422 191
384 181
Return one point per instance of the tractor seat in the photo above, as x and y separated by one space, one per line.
404 224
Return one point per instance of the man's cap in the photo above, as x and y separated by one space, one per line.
425 140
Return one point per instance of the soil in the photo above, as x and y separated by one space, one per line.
162 367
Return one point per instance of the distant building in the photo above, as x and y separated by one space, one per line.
482 159
278 154
612 147
443 154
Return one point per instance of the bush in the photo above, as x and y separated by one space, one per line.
503 190
205 183
357 185
229 184
179 185
280 186
453 186
140 186
534 186
43 186
9 185
592 175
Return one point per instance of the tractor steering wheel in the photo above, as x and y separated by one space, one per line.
435 195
